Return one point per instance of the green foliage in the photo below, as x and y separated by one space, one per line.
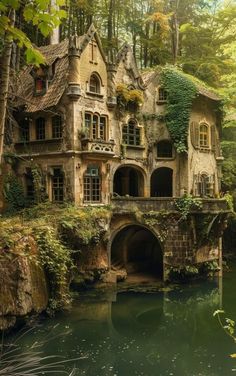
56 260
228 325
187 272
14 193
161 219
186 204
181 93
229 199
36 12
84 226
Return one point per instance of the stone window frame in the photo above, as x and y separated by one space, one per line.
204 135
131 133
98 92
92 183
204 184
56 127
161 95
94 128
57 184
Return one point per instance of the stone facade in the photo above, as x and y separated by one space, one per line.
91 152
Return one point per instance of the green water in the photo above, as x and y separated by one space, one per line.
155 334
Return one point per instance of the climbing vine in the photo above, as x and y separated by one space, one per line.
187 203
181 92
14 193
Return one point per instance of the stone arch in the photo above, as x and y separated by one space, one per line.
162 182
128 180
137 249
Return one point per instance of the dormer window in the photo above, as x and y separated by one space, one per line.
94 84
204 141
162 94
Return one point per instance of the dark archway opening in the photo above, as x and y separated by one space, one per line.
162 182
137 250
128 182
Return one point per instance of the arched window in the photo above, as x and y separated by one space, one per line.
40 129
131 133
94 84
92 185
204 135
164 149
204 185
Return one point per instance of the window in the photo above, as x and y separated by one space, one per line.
40 129
162 94
57 185
40 86
56 127
24 130
204 136
94 84
204 185
131 133
92 185
164 149
29 185
96 126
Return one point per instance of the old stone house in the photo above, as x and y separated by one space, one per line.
92 151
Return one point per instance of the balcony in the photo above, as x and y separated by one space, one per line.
39 147
100 147
129 204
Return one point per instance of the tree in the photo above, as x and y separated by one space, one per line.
41 14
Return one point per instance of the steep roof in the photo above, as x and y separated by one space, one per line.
202 89
57 54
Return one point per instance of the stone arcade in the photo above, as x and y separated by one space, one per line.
91 151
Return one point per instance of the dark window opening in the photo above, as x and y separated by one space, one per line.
128 182
40 129
56 127
131 133
161 182
29 185
164 149
24 130
58 185
92 185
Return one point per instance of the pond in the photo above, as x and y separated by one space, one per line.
169 332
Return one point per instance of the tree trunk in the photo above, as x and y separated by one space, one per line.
4 80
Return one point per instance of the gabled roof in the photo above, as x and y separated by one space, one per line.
131 66
58 54
149 76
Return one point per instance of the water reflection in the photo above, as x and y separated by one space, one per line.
163 333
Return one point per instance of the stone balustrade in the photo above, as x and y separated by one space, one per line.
98 146
164 204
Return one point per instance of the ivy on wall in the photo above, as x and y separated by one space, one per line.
180 94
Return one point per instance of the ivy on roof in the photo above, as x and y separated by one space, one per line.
181 88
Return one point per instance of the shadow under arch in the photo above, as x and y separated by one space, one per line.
136 249
128 180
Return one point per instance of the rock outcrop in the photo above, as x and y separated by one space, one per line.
23 285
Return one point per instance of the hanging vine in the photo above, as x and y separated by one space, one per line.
181 92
